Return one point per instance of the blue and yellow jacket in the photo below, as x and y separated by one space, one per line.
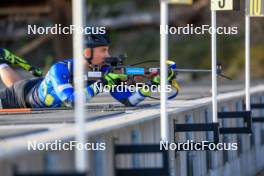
56 89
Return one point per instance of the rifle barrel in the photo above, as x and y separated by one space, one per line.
187 70
193 70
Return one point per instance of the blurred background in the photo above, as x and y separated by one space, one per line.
134 30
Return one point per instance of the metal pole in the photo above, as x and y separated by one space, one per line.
78 47
214 65
164 121
247 50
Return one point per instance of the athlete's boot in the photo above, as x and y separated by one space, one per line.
13 60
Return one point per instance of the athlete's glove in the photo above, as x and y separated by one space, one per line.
156 80
171 74
111 79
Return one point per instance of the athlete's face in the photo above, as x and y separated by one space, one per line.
99 54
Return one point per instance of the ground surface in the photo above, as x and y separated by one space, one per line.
101 107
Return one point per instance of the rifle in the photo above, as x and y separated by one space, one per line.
116 65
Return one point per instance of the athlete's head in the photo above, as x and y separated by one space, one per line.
97 48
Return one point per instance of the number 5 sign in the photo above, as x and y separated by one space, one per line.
255 8
225 4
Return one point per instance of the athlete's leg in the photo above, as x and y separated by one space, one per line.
8 75
13 96
13 60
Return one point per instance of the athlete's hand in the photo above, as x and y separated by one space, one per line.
156 79
113 79
171 74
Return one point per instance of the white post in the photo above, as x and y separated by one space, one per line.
247 54
164 121
78 47
214 65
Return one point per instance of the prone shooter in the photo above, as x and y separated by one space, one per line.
56 89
